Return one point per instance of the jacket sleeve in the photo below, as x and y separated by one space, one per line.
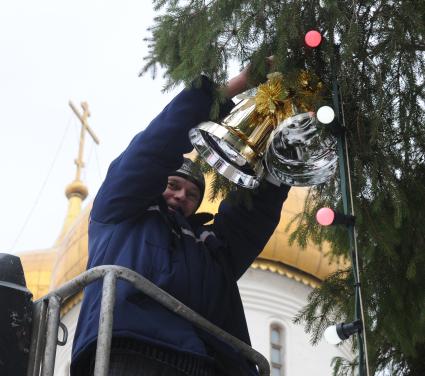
245 231
139 174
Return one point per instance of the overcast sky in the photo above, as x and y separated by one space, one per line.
53 51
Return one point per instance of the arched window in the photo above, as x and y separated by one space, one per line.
276 352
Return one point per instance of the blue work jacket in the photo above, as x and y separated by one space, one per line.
130 226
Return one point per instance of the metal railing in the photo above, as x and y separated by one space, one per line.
46 320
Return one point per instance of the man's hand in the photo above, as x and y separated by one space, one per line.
239 83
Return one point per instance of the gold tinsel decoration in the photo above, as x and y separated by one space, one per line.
270 95
274 99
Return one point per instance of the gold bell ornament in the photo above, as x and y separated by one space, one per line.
272 132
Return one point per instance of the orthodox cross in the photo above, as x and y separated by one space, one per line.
84 127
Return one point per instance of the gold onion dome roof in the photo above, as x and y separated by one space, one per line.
38 266
72 252
308 265
48 269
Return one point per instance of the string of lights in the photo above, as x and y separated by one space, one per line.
333 116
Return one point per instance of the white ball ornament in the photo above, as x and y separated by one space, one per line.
325 114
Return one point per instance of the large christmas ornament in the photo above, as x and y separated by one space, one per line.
301 152
274 131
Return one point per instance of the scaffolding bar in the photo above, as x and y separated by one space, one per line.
103 348
51 336
38 340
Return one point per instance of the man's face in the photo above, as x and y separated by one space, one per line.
181 195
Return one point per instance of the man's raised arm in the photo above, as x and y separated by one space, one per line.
139 174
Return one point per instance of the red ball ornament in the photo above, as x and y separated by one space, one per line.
325 216
313 38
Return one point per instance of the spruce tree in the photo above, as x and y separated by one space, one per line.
379 57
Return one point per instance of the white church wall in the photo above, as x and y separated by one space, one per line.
270 298
63 353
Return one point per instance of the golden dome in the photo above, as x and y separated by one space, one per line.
309 265
38 266
72 251
48 269
312 259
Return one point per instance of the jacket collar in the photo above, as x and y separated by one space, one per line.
194 221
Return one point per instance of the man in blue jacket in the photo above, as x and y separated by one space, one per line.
143 219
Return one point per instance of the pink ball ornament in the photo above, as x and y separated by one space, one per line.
325 216
313 38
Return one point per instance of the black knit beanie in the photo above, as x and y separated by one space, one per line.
191 171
